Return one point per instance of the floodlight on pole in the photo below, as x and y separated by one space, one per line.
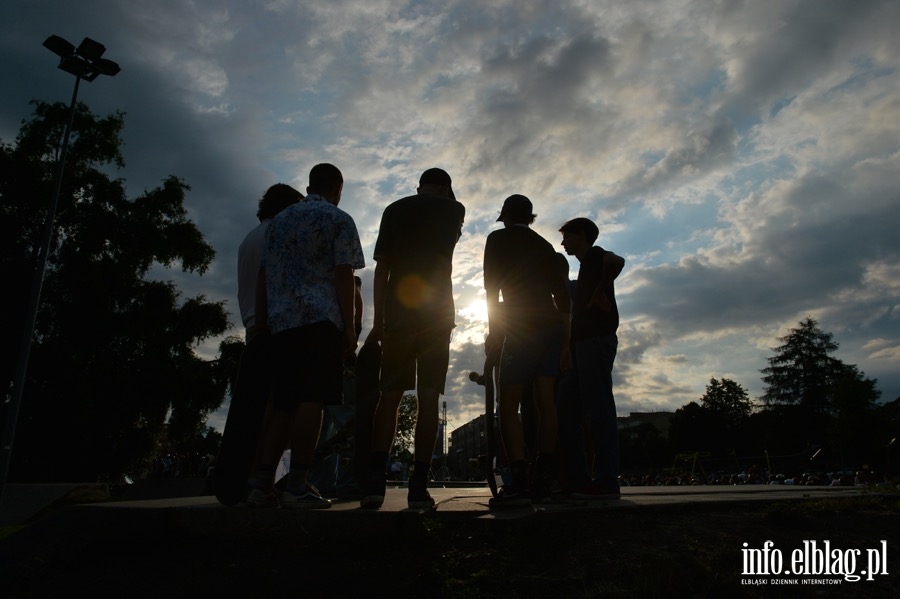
84 62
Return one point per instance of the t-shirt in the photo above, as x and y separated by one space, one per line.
249 254
304 243
417 237
530 275
591 321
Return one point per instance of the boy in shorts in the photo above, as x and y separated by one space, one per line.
413 316
531 325
305 299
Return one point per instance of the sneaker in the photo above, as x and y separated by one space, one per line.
418 497
595 491
263 496
510 497
307 499
373 493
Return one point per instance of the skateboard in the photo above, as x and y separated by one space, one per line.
243 426
492 470
368 376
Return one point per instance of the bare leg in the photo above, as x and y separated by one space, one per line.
258 456
548 426
508 399
384 424
426 424
305 429
276 433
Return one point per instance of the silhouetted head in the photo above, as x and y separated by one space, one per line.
579 234
327 181
277 198
517 210
584 226
436 181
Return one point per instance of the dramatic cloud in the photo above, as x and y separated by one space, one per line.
741 155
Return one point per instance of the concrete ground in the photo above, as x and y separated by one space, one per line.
21 503
58 538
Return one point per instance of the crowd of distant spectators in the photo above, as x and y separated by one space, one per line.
754 476
180 465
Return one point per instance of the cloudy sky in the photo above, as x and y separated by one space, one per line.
742 155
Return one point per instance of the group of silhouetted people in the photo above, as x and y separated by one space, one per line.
556 344
301 306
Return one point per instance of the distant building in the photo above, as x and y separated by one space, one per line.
466 450
467 445
660 420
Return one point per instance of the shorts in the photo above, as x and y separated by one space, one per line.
529 356
307 365
411 356
253 381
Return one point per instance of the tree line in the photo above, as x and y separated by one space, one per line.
113 368
817 413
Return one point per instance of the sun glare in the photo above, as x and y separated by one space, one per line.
476 311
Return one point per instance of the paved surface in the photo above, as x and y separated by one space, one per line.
23 503
474 500
56 538
652 540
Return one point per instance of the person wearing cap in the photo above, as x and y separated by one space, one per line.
413 317
586 395
531 328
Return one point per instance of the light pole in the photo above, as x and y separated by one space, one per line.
84 62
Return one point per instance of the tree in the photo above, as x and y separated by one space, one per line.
728 400
406 424
643 448
113 357
817 396
802 372
858 433
693 428
715 423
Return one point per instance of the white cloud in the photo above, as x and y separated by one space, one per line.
742 156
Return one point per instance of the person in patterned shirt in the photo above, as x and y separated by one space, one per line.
305 299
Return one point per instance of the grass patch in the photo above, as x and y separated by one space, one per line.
691 551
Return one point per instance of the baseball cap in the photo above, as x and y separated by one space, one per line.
516 206
436 176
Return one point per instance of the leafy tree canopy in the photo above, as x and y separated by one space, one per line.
728 399
803 373
113 357
406 425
